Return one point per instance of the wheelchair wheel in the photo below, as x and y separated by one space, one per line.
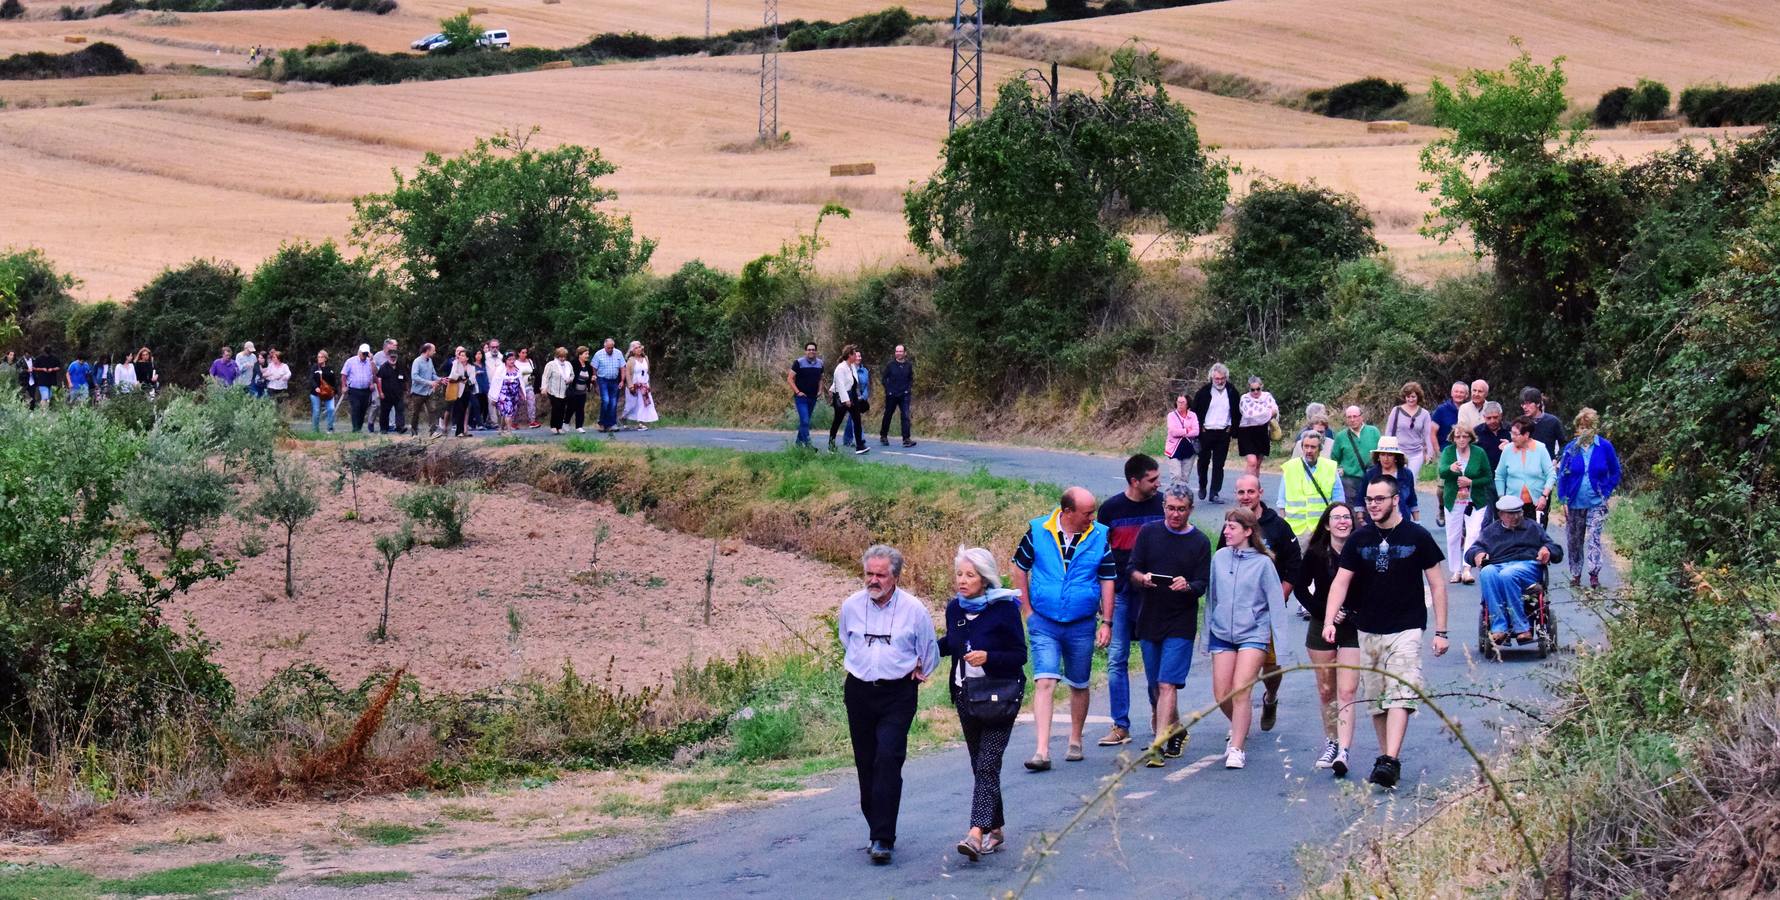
1548 636
1485 647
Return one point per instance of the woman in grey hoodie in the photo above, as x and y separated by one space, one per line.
1244 612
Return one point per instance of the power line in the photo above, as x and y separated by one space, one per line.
769 74
967 63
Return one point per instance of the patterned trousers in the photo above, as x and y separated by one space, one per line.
987 743
1582 532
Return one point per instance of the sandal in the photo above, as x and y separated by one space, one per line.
993 841
1525 637
1455 579
970 849
1498 637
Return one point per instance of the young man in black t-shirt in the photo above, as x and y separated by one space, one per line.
805 379
1382 570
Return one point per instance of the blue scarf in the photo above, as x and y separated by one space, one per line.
974 605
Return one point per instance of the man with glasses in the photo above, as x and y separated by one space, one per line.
1382 569
805 379
890 648
1064 571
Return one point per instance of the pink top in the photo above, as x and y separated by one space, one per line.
1180 428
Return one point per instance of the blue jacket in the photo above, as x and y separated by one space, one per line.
1065 593
1603 470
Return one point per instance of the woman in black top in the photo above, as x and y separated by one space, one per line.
578 388
1336 688
319 374
985 638
146 376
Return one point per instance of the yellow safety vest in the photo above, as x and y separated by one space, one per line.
1306 498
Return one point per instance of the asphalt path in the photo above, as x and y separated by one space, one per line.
1190 829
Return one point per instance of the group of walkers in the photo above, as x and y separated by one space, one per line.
848 392
41 376
1343 536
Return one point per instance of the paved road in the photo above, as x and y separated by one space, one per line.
1192 829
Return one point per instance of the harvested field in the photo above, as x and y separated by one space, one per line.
527 552
115 89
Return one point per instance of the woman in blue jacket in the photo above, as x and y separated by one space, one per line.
1588 472
985 639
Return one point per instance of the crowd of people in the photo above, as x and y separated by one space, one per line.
1343 536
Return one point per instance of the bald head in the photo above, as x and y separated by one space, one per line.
1076 509
1354 416
1480 392
1248 492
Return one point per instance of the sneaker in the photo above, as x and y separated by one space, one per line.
1115 737
1269 711
1594 579
1303 613
862 451
1215 499
832 448
908 443
1330 752
1339 766
1235 759
884 440
1385 772
1202 492
1154 762
577 431
1175 746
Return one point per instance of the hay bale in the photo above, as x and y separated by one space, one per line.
477 10
845 170
556 64
75 38
1657 126
551 2
259 94
1387 126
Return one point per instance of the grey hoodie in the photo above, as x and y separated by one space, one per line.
1245 602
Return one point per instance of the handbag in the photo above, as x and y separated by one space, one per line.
453 390
991 699
1273 430
1186 448
325 390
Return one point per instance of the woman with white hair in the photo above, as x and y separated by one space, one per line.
987 643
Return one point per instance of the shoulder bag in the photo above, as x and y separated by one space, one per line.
990 699
1187 446
324 388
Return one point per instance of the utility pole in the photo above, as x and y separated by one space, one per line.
707 20
769 75
967 64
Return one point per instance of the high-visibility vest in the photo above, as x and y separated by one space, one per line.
1304 502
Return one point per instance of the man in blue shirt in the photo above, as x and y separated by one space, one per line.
805 379
1064 570
608 370
79 380
358 374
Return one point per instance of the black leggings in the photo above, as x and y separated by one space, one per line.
577 410
1214 446
851 411
986 742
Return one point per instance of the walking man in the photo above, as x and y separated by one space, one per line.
890 648
223 368
423 397
392 386
1471 411
805 379
1064 572
244 363
358 373
377 400
1279 539
608 370
1214 404
1448 413
899 381
1353 448
1379 583
1124 515
1308 485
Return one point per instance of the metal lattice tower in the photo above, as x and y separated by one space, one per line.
967 63
707 19
769 75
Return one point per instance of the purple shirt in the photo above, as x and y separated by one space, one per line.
224 369
358 373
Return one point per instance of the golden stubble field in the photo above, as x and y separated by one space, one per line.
134 181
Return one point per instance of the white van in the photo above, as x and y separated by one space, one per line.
496 38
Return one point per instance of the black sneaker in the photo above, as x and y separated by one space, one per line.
908 443
1385 771
884 441
831 447
1215 499
1339 765
1175 746
862 451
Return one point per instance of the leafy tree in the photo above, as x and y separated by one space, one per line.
391 547
1285 242
349 465
34 300
464 34
287 498
308 297
1649 101
879 313
1366 98
181 314
11 9
494 241
1028 206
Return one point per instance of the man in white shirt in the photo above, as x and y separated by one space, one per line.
890 648
1471 414
1215 405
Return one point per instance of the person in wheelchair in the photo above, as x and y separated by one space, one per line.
1510 555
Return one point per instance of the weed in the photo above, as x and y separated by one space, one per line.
252 545
460 813
201 879
515 624
759 582
579 444
30 881
391 834
655 581
362 879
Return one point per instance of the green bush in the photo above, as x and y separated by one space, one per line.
35 304
871 30
1365 99
683 318
308 297
1717 106
173 490
1610 110
181 314
99 58
11 9
880 312
1649 100
767 734
441 510
776 283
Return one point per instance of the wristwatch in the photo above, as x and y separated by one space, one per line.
1440 634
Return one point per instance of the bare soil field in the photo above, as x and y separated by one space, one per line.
1299 44
635 614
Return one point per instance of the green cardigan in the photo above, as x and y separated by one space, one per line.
1477 468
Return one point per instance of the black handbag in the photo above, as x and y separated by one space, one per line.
991 699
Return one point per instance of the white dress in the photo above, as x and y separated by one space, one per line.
635 408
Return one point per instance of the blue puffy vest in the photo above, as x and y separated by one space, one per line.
1065 592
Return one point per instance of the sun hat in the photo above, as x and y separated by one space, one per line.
1389 444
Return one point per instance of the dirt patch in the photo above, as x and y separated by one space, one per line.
522 596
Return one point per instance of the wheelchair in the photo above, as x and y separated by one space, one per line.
1541 621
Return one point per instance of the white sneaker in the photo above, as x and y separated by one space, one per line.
580 431
1234 758
1327 759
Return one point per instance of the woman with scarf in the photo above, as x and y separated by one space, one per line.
986 639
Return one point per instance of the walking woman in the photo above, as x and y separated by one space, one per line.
1254 437
581 382
558 375
479 411
277 377
1389 459
986 640
1183 439
1467 490
528 387
639 396
1588 473
1413 427
460 389
509 398
843 395
324 391
1243 615
1526 471
146 374
1336 688
123 375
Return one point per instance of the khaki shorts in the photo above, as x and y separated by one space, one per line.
1399 653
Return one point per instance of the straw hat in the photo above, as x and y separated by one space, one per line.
1389 444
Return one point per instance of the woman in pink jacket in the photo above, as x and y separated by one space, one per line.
1183 438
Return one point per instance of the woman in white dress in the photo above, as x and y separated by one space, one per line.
639 398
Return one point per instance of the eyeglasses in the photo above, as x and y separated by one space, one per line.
1381 499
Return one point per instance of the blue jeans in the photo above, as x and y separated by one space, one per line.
1118 658
805 407
1061 650
609 402
1167 661
1502 584
315 405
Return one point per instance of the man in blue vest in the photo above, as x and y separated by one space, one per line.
1064 571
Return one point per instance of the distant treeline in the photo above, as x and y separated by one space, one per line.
97 59
118 7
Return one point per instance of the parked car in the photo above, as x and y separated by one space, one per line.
426 43
496 38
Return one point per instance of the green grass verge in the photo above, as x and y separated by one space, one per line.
361 879
211 879
390 834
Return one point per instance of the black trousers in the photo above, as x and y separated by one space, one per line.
987 742
1214 446
851 413
390 418
879 714
358 400
460 411
559 411
892 404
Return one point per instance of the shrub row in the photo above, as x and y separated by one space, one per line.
331 62
874 30
1716 106
1649 100
98 59
1365 99
112 7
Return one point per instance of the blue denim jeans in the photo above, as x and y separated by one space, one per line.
1502 584
315 408
805 407
1118 657
611 401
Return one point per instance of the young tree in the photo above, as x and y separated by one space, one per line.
287 498
391 547
173 489
463 32
348 468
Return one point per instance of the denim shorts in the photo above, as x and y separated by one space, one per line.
1218 645
1168 661
1061 650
